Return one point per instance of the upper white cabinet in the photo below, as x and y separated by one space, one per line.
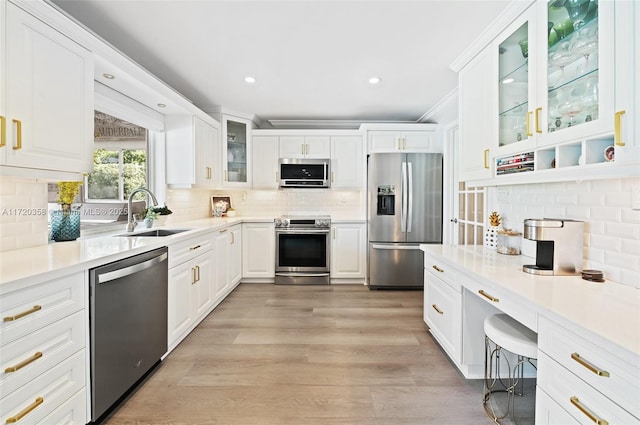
408 137
265 162
46 106
193 147
347 162
317 147
236 152
563 92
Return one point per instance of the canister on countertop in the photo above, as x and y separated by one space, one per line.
509 242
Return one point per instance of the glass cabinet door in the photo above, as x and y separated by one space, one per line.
573 74
237 152
513 87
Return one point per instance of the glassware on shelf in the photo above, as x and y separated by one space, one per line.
590 97
577 10
571 104
561 57
585 42
524 48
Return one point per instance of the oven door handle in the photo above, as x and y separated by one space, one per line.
298 231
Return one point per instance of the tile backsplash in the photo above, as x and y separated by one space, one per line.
23 213
612 228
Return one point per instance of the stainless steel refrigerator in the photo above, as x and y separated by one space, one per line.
404 209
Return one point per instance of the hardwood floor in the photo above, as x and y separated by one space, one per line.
285 355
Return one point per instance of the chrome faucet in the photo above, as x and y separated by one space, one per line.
131 223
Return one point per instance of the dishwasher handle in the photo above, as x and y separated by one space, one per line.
116 274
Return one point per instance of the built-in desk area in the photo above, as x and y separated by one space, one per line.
588 332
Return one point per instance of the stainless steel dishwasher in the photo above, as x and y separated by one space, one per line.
128 324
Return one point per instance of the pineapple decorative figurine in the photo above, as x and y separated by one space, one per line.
491 235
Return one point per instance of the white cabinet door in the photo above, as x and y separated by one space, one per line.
347 162
265 162
384 141
221 241
401 141
348 250
477 128
291 147
258 251
207 147
49 97
202 288
180 316
315 147
442 313
235 255
236 152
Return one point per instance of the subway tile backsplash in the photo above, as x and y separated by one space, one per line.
23 213
612 228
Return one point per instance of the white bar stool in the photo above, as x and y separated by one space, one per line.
504 333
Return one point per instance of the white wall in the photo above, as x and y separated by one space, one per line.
612 228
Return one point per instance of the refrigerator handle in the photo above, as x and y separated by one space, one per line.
410 196
403 209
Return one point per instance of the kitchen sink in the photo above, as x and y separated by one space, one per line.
154 233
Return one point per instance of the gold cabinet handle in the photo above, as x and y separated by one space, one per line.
592 368
485 158
399 143
233 238
617 136
576 402
23 363
24 412
302 149
277 177
332 177
193 275
487 296
529 133
197 273
438 269
3 131
538 129
435 307
19 128
404 143
223 230
193 248
24 313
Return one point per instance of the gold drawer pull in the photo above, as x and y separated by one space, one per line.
193 275
528 129
485 159
617 134
23 363
538 110
487 296
437 268
194 248
18 146
574 400
25 411
24 313
435 307
592 368
223 230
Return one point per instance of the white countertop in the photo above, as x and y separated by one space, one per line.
608 309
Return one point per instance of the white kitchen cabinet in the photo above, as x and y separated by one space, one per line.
265 162
312 147
190 286
258 252
401 141
228 260
46 107
236 151
348 251
476 122
43 338
347 162
193 147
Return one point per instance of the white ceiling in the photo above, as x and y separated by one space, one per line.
311 59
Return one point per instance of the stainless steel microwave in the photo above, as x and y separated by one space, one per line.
308 173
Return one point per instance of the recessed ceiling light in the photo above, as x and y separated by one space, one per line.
249 80
508 81
161 105
374 80
108 76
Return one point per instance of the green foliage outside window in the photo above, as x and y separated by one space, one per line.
105 180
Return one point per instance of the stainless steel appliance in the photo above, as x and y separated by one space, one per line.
308 173
128 324
302 249
559 246
404 209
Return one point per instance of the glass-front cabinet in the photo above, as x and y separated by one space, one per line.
237 151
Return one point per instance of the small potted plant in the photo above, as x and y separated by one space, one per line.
150 216
163 212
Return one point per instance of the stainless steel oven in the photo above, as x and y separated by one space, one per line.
302 250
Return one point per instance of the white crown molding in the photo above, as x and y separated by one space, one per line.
508 15
449 97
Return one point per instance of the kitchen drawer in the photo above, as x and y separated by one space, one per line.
584 358
442 271
187 250
504 302
548 412
47 392
442 313
580 400
72 411
32 308
47 347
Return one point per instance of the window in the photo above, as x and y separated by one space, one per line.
470 215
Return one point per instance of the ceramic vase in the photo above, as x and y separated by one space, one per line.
65 224
491 237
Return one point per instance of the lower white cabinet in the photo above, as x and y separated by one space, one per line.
190 287
258 252
43 350
348 251
443 309
228 260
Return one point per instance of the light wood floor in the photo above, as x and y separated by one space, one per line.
317 355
